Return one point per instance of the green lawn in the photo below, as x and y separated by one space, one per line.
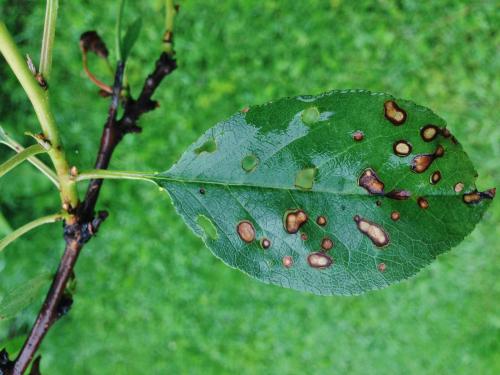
151 299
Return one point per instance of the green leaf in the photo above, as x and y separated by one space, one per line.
130 38
20 297
338 193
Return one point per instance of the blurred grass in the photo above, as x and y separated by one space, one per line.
151 299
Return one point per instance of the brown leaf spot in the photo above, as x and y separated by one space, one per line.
326 244
373 231
294 220
459 186
423 203
394 113
445 132
321 221
202 191
370 181
246 231
358 136
399 195
245 110
287 261
402 148
429 132
477 196
420 163
435 177
319 260
395 215
303 236
382 267
265 243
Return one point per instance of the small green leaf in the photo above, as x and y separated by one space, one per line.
130 38
20 297
370 194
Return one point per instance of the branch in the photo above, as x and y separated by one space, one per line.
77 234
20 157
27 227
84 224
115 130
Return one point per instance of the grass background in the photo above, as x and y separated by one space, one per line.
150 298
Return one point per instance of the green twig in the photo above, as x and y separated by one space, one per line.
42 167
49 31
20 157
39 100
29 226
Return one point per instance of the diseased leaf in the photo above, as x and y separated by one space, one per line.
20 297
338 193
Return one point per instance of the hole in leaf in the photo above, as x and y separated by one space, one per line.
249 163
304 179
209 146
310 115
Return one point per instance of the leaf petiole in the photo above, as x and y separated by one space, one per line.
11 237
20 157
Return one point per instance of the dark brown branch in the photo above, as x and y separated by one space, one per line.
57 302
50 308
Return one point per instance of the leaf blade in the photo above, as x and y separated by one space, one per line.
325 151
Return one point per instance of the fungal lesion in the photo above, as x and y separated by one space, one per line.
287 261
435 177
475 197
293 220
429 132
402 148
394 113
321 220
373 231
265 243
399 195
319 260
358 136
421 163
423 203
371 182
327 244
246 231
